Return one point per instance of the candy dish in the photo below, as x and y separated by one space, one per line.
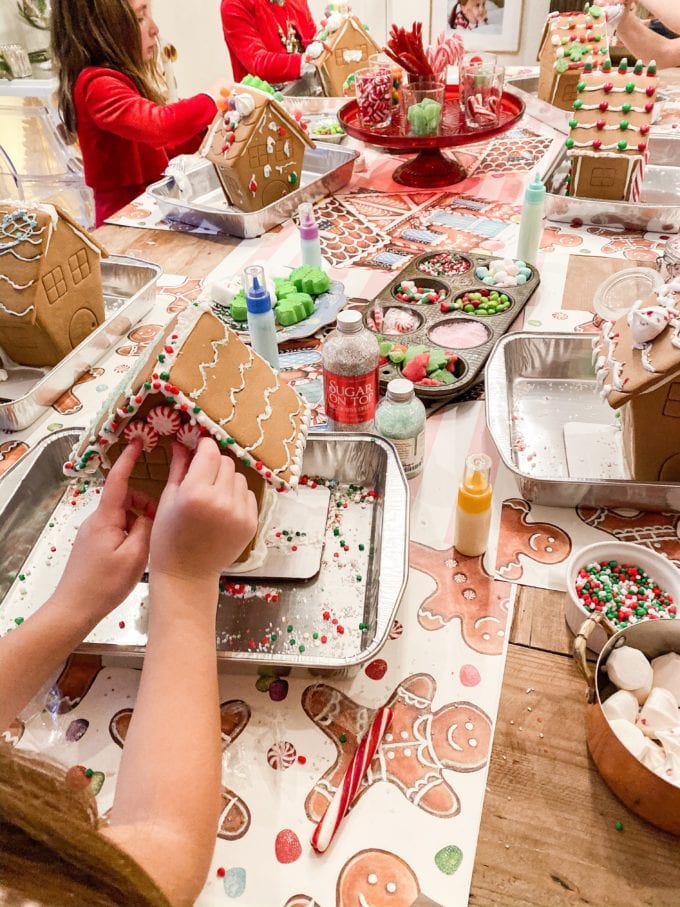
646 793
474 332
326 128
657 567
618 293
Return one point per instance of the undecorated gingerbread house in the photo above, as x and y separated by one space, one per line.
50 283
609 129
201 379
570 40
347 47
638 369
257 149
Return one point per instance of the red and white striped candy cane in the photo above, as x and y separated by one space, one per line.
347 789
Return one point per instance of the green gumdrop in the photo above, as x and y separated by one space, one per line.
595 11
443 375
294 308
262 684
397 356
310 280
284 288
428 102
561 65
448 859
437 360
385 347
415 350
238 309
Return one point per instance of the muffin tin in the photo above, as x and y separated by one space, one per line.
471 359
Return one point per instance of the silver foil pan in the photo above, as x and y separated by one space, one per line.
325 169
535 383
129 286
658 210
32 489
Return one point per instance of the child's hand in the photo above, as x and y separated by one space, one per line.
206 515
111 547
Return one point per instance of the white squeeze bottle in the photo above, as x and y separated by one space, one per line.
261 324
310 240
473 514
531 224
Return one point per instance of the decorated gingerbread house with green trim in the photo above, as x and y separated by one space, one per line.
609 129
256 147
201 379
638 370
570 41
50 283
347 47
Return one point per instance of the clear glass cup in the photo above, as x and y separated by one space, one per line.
382 61
374 96
481 80
422 107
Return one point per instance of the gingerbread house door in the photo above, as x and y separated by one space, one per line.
82 324
273 191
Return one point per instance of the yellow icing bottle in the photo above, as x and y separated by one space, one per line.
473 514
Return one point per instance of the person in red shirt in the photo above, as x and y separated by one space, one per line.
107 95
267 38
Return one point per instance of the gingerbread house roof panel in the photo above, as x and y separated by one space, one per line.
575 37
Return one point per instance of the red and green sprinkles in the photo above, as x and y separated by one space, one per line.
625 593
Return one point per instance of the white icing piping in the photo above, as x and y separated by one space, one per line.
203 366
9 311
235 390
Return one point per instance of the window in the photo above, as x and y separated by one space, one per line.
672 405
80 266
54 285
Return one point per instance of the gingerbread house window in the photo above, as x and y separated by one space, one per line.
54 284
601 177
672 404
79 265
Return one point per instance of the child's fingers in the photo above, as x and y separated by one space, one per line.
181 457
116 485
205 466
139 538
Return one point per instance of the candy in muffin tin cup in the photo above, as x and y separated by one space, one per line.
374 96
422 106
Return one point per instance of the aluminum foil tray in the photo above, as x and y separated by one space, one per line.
657 211
470 361
129 286
538 384
325 169
349 604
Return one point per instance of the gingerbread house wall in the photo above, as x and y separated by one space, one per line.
651 434
335 69
68 303
603 176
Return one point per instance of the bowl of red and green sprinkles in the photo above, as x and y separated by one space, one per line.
626 583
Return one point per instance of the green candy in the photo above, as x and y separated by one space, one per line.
438 360
561 65
397 356
415 350
442 375
424 117
294 308
448 859
310 280
239 309
385 347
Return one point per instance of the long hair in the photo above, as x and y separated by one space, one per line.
50 850
96 33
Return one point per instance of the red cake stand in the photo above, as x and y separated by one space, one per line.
430 169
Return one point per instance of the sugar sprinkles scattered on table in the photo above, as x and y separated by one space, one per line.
624 592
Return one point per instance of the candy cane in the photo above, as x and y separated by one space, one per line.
347 789
480 111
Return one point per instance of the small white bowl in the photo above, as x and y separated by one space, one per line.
663 571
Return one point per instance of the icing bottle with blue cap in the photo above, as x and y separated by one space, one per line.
261 325
531 224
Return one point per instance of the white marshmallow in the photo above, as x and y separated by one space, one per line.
630 736
653 757
621 706
666 670
659 713
628 669
670 741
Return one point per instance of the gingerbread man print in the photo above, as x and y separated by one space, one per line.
234 819
419 746
463 590
69 403
544 543
140 338
10 452
658 531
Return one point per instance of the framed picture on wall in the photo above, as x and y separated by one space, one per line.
492 25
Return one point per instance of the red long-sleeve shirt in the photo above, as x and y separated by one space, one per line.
251 30
126 140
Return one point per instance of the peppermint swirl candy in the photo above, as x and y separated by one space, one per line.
281 755
164 419
143 432
189 435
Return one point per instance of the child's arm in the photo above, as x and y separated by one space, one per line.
167 802
108 558
116 106
668 11
646 44
244 41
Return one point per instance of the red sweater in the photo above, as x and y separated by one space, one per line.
251 30
126 140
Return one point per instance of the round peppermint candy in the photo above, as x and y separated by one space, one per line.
281 755
189 435
138 430
164 419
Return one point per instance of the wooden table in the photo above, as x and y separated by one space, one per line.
548 835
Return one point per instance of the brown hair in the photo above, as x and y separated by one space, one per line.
96 33
50 849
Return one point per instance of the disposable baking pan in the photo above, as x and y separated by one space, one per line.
325 169
470 360
537 383
657 211
129 286
372 537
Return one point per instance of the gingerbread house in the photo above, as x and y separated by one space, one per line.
347 47
609 127
50 283
570 40
257 148
201 379
638 369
